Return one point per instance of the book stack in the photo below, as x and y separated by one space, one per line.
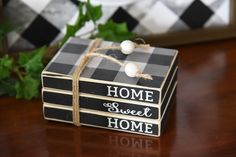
108 98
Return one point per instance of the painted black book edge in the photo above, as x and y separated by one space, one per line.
168 111
166 84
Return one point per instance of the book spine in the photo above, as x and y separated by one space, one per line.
98 104
110 90
107 122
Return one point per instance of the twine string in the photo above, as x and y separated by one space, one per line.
107 48
75 82
110 58
141 40
94 52
142 46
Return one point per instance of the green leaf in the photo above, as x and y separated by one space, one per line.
70 32
32 62
87 12
27 88
80 22
7 86
114 31
93 12
6 65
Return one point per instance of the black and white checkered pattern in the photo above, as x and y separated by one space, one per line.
38 22
44 22
153 61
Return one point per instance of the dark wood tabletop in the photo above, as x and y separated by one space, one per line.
202 121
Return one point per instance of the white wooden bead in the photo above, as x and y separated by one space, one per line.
127 47
131 69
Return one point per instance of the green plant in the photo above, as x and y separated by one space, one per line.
21 77
108 31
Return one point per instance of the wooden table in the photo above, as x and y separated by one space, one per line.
202 122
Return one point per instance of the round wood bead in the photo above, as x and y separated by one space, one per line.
127 47
131 69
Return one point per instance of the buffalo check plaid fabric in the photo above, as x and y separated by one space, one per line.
44 22
154 61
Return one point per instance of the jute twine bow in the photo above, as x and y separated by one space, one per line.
93 52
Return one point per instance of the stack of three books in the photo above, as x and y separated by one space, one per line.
108 98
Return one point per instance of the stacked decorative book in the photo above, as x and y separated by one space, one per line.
108 98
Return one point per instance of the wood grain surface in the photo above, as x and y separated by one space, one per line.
202 121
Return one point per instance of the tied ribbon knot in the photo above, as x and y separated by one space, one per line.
93 52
